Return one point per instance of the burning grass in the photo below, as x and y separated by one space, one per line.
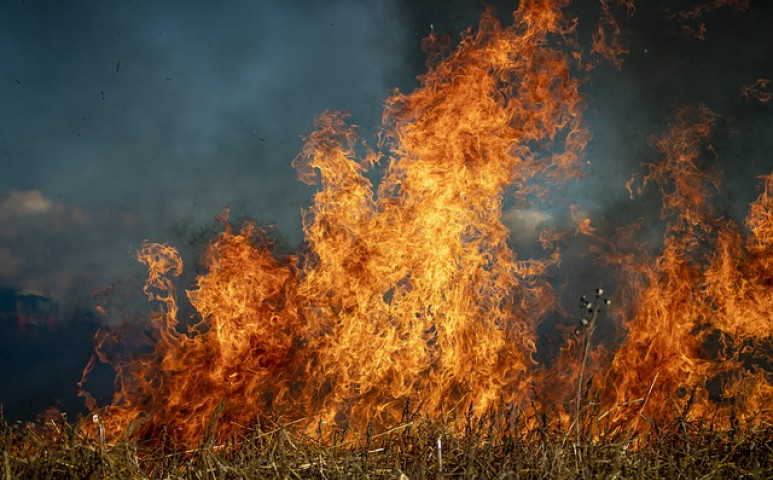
408 290
504 444
409 293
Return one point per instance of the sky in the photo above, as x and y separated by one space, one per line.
131 120
127 120
124 121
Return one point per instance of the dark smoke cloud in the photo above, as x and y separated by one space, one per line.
167 113
667 68
131 120
124 121
150 118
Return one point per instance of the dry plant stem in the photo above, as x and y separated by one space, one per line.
586 353
440 456
683 450
7 466
618 406
649 392
589 329
349 443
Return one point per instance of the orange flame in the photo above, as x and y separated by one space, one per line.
606 40
702 8
759 90
409 293
706 280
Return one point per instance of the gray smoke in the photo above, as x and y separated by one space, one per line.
149 118
131 120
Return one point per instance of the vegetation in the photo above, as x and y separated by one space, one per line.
511 445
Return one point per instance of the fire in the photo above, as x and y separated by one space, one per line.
759 90
704 7
702 301
606 39
407 294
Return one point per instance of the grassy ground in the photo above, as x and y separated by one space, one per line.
480 448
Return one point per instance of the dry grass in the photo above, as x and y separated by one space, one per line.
468 447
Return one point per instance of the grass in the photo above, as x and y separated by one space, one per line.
466 447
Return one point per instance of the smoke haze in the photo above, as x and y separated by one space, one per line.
131 120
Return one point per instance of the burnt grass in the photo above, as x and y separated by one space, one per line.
494 446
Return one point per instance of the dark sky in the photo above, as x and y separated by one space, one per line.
126 120
130 120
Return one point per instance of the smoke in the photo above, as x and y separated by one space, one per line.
152 119
149 118
126 121
667 67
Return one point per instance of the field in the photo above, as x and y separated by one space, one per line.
465 447
432 341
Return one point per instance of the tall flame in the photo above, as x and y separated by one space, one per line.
408 294
701 301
